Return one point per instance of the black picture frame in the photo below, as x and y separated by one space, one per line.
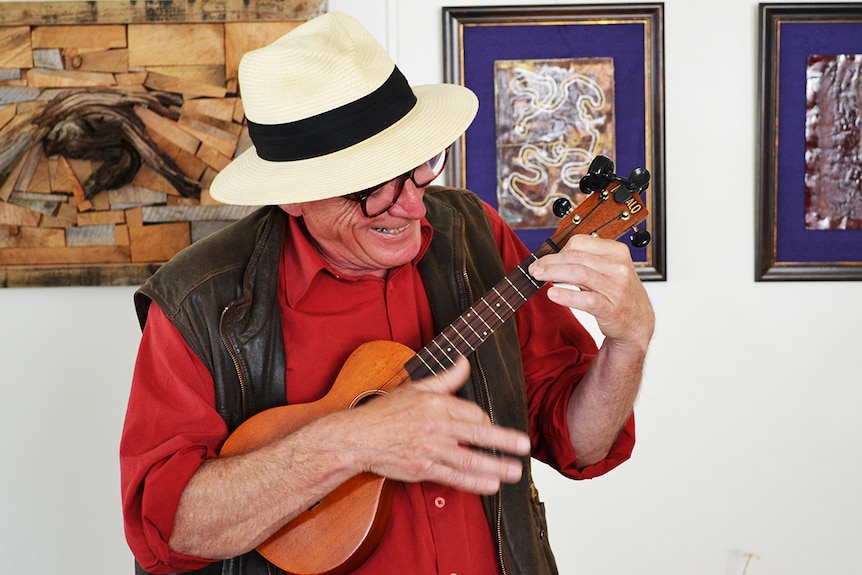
796 237
631 34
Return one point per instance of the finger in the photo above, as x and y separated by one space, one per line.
482 474
448 381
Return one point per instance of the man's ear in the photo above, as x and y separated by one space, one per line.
294 210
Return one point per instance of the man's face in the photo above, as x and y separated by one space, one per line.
355 245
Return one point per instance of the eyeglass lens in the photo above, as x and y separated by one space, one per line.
385 196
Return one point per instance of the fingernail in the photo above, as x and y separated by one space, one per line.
535 270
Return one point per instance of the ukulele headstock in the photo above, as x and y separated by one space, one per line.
613 205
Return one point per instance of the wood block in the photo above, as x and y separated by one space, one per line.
12 215
38 197
131 78
87 11
30 163
132 196
148 178
135 217
167 129
44 207
212 133
60 181
77 190
239 112
97 235
17 237
9 75
158 242
218 108
101 218
223 129
190 165
15 94
44 78
188 88
241 37
206 198
64 256
41 180
213 157
162 214
176 44
121 235
181 201
15 48
101 37
65 217
80 170
101 202
113 61
49 58
6 114
185 161
208 75
8 185
32 106
243 143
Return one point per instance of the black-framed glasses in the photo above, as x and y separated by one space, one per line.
378 199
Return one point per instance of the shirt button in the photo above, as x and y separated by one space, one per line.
440 502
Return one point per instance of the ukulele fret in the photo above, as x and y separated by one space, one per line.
505 301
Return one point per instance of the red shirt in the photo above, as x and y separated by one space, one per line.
172 426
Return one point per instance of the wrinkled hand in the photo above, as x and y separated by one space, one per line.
423 432
609 287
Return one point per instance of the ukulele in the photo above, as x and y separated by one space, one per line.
339 532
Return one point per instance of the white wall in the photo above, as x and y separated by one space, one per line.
747 440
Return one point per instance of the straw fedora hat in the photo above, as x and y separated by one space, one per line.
329 113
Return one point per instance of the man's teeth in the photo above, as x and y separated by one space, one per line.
392 230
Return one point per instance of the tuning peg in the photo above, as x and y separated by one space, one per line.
562 206
638 179
640 238
602 165
599 175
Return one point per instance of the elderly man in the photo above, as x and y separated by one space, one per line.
353 245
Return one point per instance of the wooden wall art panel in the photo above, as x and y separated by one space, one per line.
114 118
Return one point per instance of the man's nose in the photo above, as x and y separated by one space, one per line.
410 202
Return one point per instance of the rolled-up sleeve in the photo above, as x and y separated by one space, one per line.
557 352
171 428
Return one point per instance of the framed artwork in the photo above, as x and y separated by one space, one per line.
114 118
809 202
558 86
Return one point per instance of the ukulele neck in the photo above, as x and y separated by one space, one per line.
473 327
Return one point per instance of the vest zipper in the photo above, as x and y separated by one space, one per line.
497 497
490 410
235 358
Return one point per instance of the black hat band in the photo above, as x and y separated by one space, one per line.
335 129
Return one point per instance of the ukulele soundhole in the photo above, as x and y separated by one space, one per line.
366 396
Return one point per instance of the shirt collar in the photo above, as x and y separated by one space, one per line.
302 264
